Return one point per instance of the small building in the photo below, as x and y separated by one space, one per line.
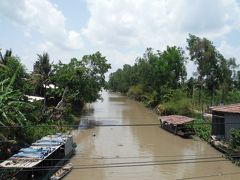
225 118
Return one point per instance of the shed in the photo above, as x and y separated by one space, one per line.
225 118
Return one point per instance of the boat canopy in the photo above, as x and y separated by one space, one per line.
175 119
37 152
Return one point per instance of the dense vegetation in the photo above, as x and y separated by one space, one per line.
65 88
159 79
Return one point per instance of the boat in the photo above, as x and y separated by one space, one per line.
224 147
41 159
62 172
177 125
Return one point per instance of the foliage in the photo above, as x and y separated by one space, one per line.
235 138
11 106
156 72
42 70
11 66
135 92
84 78
202 129
31 133
178 103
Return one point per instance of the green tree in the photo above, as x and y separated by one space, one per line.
12 66
81 81
42 71
204 54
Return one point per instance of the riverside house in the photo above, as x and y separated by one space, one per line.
225 118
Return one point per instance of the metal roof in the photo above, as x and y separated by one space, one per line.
40 150
176 119
231 108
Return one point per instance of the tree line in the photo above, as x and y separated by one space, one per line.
159 78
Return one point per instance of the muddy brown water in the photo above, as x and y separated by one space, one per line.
141 153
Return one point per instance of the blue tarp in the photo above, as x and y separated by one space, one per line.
47 143
39 154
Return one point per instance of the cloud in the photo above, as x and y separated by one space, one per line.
42 17
129 25
230 51
158 22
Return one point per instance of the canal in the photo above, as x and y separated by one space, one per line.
140 152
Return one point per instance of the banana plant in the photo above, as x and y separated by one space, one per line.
11 105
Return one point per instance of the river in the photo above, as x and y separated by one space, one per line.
140 153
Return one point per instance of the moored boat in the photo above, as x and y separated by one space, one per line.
41 159
62 172
177 125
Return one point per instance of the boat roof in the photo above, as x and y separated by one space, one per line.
37 152
231 108
176 119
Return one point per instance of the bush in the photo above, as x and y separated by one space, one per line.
235 138
202 129
182 106
33 133
135 92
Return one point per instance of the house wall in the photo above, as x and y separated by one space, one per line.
218 127
231 121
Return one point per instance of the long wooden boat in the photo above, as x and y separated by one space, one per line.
62 172
177 125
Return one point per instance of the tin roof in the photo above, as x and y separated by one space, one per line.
176 119
231 108
33 155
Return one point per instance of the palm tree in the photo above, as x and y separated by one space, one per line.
3 59
41 74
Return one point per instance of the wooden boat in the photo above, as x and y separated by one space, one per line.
177 125
62 172
224 147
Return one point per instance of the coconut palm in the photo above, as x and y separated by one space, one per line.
41 74
3 59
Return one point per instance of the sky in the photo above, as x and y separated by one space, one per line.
120 29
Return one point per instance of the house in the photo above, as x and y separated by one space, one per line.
225 118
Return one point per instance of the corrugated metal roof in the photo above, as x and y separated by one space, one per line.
231 108
176 119
32 156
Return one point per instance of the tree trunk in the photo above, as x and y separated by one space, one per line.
223 94
62 101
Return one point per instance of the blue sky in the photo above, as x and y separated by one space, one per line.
120 29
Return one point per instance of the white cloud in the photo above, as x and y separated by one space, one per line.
131 25
157 23
230 51
42 17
